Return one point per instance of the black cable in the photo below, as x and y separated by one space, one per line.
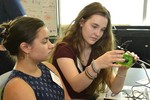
142 64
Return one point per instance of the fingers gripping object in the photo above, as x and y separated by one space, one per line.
129 60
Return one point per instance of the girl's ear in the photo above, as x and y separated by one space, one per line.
25 47
82 21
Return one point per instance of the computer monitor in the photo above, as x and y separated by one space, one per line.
134 39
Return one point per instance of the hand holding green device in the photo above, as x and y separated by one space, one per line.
129 60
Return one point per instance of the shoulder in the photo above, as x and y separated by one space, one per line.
63 46
55 76
18 87
51 67
64 50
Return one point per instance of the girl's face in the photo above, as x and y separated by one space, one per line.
93 28
41 46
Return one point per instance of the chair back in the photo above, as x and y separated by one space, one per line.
3 79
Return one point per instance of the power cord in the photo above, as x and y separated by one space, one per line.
137 94
141 95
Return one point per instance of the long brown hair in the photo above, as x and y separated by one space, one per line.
73 36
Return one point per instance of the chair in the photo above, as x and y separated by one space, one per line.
3 79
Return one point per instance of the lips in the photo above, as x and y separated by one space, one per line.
94 39
49 52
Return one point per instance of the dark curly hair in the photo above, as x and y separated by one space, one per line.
22 29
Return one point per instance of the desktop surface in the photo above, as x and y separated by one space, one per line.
134 75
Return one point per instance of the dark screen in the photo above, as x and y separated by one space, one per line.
136 40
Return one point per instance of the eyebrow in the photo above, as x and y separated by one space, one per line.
95 24
99 25
47 38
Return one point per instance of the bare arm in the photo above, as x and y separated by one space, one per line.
120 76
17 89
72 75
107 60
117 81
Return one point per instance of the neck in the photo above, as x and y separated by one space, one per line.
27 67
85 54
2 48
86 46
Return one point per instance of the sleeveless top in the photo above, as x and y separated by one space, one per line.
44 87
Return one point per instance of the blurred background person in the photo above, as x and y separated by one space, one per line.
9 10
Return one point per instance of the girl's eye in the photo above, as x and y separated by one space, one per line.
45 41
94 26
103 30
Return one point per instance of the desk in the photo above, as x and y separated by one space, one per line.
133 75
122 95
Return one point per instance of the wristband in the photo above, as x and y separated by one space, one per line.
88 74
93 67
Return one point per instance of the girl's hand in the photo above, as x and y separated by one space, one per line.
109 58
135 56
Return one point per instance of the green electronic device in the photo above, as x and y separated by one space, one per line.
128 60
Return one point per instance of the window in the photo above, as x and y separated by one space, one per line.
123 12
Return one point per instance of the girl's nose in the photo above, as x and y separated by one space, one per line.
97 33
50 45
